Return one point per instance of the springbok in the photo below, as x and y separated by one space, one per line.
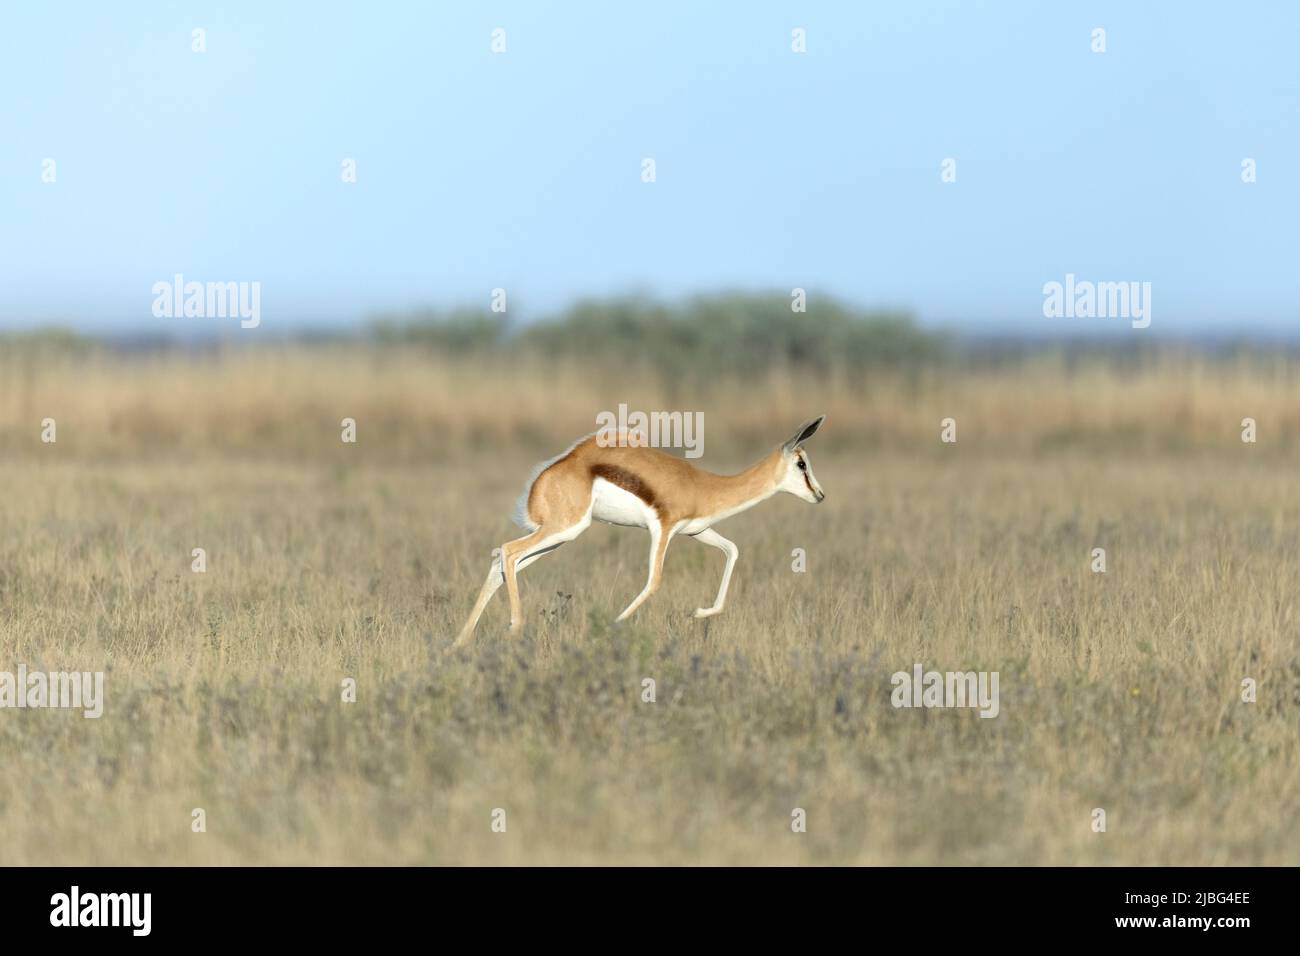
624 483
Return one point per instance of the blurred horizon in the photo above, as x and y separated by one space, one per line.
730 331
775 170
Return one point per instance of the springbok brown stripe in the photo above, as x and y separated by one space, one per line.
627 481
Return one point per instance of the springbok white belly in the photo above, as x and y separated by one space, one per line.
613 505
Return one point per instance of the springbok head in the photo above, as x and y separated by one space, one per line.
796 474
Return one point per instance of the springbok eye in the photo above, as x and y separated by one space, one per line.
803 465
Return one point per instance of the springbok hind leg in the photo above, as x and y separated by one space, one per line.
562 512
518 554
497 576
495 579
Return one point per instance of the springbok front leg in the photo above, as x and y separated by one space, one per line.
658 546
711 537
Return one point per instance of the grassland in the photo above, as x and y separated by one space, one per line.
327 561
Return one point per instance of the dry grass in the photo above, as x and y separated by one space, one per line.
1118 690
287 402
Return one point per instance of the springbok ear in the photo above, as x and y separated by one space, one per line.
806 431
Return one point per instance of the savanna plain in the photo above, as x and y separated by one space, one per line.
328 560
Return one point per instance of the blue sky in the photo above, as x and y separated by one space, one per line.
774 169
